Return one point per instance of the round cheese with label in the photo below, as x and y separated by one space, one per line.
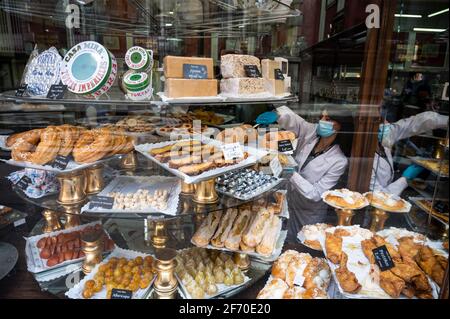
88 68
139 59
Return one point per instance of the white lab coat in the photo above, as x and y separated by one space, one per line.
383 168
308 184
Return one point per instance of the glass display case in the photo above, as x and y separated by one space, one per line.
187 149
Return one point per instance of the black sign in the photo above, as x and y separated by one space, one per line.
383 258
21 90
61 162
23 183
285 146
57 92
195 71
279 74
252 71
104 202
121 294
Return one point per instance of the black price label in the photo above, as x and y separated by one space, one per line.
121 294
195 71
21 90
383 258
61 162
57 92
104 202
252 71
285 146
23 183
279 74
441 207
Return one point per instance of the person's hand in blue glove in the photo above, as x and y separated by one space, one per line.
412 172
267 118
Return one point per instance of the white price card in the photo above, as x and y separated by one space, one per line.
232 151
19 222
299 280
275 166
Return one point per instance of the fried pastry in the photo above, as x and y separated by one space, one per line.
317 275
196 169
433 265
333 247
391 284
347 279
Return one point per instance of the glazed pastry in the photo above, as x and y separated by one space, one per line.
267 245
347 279
188 160
240 224
92 146
275 289
32 135
345 199
386 201
206 231
196 169
333 247
257 229
69 136
174 147
225 226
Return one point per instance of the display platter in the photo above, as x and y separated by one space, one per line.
438 167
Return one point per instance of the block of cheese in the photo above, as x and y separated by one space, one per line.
268 68
242 86
232 65
173 66
275 87
176 88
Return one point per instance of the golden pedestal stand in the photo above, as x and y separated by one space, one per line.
72 188
92 246
94 179
165 283
242 261
159 238
52 222
205 192
129 161
345 217
379 217
187 189
72 216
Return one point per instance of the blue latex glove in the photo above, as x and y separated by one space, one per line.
412 172
267 118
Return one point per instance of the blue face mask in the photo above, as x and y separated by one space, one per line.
383 131
325 129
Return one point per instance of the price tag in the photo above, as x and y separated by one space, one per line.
275 166
232 151
279 74
19 222
121 294
21 90
23 183
285 146
104 202
61 162
252 71
383 258
57 92
195 71
299 280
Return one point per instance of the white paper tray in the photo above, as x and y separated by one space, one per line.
71 167
403 211
131 184
3 143
193 99
77 291
35 264
268 259
254 156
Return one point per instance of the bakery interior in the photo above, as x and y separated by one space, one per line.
204 149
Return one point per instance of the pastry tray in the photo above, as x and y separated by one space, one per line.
416 201
254 156
221 288
131 184
77 291
416 160
403 211
261 192
282 234
35 264
71 167
324 195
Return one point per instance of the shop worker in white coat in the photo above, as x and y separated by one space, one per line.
391 133
321 163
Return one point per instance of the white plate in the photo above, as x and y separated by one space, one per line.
339 194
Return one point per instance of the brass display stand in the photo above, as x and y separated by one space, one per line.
166 283
379 217
72 188
129 161
159 238
92 246
52 222
242 261
187 189
94 179
72 216
205 192
345 217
